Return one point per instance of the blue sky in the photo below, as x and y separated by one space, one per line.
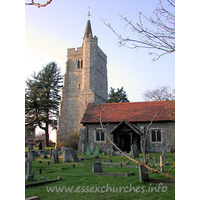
50 31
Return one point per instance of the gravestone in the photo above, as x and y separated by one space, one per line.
164 153
63 149
87 152
149 156
67 155
43 147
83 149
134 151
172 150
92 147
50 152
161 163
30 175
143 174
96 167
109 153
74 155
113 153
55 156
30 148
96 152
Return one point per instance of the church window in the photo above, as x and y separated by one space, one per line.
156 135
79 86
100 136
79 64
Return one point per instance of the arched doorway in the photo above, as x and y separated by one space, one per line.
124 143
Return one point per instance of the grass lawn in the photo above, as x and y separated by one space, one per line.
85 185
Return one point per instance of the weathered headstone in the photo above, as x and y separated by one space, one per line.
134 151
172 150
149 156
87 152
63 149
67 155
83 149
113 153
143 173
109 153
50 152
43 147
96 152
96 167
164 153
55 156
30 148
74 155
92 147
30 175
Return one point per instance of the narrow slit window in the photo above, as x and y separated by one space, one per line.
158 136
153 133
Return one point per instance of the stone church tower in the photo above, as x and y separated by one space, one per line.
85 81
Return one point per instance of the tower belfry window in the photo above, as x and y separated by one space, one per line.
79 64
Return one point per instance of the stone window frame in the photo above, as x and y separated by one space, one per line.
79 63
150 135
99 141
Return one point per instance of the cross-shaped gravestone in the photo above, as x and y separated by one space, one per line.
29 163
30 175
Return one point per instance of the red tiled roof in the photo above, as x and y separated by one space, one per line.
130 111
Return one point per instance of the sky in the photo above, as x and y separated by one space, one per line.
51 30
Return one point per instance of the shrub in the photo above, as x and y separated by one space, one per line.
71 141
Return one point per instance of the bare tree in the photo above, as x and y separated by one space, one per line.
143 147
159 94
39 4
160 36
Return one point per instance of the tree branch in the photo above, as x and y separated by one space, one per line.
30 123
160 37
37 4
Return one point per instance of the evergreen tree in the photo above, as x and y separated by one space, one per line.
42 98
118 96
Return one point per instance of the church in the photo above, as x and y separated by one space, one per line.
85 93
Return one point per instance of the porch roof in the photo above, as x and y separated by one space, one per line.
130 112
131 126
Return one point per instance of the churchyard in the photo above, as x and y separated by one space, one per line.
107 175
